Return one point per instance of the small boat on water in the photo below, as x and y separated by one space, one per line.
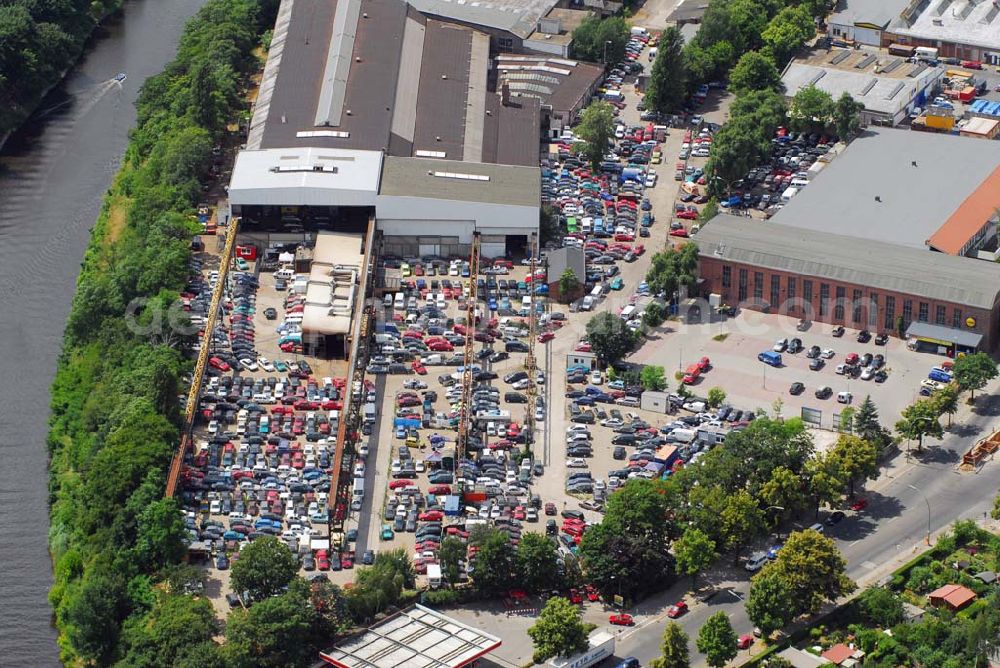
120 77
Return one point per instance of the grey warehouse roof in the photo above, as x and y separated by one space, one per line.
378 75
519 17
461 181
879 93
415 638
875 12
846 259
915 201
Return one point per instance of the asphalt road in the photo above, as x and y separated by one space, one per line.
889 532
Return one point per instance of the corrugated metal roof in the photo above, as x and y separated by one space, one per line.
875 264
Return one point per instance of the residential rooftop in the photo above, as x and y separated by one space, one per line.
974 22
381 76
884 84
900 188
846 259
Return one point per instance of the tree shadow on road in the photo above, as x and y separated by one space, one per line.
988 405
964 430
936 455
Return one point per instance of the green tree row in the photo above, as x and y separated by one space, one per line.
114 540
39 41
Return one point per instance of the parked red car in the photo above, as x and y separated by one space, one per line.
688 215
677 609
623 619
418 368
218 364
431 516
679 233
859 504
545 337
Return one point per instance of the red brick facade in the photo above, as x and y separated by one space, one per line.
829 301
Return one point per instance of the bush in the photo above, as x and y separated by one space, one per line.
440 597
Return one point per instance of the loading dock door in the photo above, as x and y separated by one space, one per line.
429 250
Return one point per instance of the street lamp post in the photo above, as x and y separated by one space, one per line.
917 489
604 58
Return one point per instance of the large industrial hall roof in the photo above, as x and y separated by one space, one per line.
414 638
893 186
845 259
379 75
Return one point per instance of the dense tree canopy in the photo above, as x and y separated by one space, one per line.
609 338
591 39
668 80
559 630
115 412
596 128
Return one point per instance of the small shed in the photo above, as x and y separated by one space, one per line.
912 613
654 401
986 577
580 359
981 128
953 596
452 505
843 655
558 261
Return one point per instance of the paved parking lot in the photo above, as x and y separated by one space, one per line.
733 345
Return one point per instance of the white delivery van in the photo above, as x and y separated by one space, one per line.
799 182
399 301
283 274
628 312
789 193
597 292
925 53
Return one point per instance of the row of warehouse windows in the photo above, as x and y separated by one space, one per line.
857 305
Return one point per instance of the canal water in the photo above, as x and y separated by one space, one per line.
53 174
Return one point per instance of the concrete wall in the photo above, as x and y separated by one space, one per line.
711 269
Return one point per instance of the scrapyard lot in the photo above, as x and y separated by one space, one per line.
265 430
418 360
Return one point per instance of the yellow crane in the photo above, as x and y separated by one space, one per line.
194 394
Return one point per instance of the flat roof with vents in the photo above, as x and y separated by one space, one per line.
305 176
972 22
414 638
881 90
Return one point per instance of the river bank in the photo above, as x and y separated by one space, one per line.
54 172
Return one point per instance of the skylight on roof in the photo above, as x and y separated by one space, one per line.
463 177
308 134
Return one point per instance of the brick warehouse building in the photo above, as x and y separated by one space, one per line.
890 229
835 279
